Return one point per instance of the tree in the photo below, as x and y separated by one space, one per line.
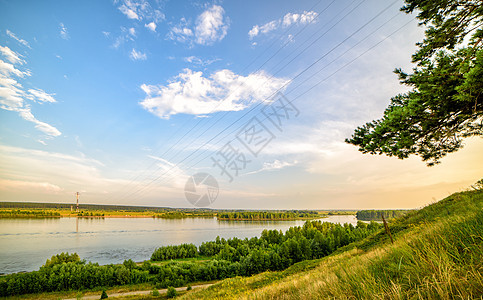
478 185
171 292
104 295
445 103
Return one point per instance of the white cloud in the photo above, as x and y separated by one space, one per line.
266 28
106 33
151 26
127 34
275 165
11 56
137 55
287 20
192 93
180 32
42 96
49 177
130 13
140 10
27 115
13 96
210 26
63 32
199 61
9 69
303 18
21 41
29 185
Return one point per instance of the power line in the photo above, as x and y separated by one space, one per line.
257 105
133 179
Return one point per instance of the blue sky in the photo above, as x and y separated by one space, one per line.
124 100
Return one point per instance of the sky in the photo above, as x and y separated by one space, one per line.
125 100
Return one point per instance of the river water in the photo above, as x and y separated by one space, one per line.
25 244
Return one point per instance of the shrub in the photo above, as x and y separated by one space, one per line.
171 292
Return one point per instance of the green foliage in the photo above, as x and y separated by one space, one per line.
171 292
155 293
267 215
129 263
375 215
189 288
478 185
173 252
28 214
445 103
90 214
62 258
104 295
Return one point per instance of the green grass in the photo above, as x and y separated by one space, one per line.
437 254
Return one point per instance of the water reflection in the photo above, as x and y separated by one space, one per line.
25 244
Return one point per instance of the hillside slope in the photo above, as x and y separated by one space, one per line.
437 254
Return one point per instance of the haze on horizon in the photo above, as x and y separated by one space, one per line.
123 101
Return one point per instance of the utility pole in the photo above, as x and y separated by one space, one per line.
77 207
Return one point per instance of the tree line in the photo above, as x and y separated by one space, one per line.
273 250
375 215
266 215
27 214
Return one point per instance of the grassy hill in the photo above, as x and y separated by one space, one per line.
437 254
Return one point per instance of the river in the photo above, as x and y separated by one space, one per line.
25 244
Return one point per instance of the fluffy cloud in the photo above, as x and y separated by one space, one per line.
211 26
287 20
137 55
151 26
192 93
303 18
266 28
13 95
181 32
131 14
140 10
63 32
21 41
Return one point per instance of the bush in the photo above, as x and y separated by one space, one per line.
155 293
171 292
188 288
173 252
104 295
